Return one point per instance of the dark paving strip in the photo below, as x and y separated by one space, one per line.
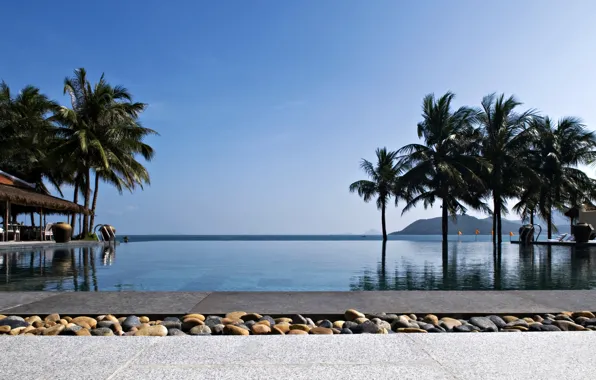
112 303
444 302
311 303
14 299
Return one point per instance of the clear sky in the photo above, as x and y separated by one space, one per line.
266 107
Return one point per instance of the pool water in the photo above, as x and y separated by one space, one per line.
297 265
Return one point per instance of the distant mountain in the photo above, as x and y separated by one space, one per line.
372 232
466 224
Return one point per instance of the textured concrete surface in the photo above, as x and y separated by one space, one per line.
319 303
15 245
405 356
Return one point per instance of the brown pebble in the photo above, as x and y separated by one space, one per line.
231 321
2 316
67 318
277 331
264 322
143 319
236 315
260 329
32 319
91 322
17 331
4 329
410 330
283 319
297 332
63 322
83 332
197 316
235 330
37 324
52 318
55 330
283 327
300 327
321 331
360 320
28 329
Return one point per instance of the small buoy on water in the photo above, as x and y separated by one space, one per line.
125 239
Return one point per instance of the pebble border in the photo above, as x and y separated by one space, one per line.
243 323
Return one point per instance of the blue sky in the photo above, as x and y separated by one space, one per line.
266 107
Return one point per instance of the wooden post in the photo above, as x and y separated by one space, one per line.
41 231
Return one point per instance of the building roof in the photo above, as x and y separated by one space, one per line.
25 198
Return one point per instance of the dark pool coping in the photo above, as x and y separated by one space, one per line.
20 245
309 303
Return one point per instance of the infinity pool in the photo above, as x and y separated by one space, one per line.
297 265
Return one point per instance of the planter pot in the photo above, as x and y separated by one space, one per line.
62 232
582 232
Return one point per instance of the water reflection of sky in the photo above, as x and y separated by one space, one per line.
297 265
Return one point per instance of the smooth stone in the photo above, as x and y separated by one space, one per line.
130 322
2 316
400 322
91 322
449 323
297 319
297 332
564 317
236 315
586 314
361 320
510 330
243 326
216 329
105 323
264 322
249 324
172 324
410 330
189 323
14 322
300 327
484 323
338 324
275 330
593 328
102 331
283 326
143 319
37 324
547 321
177 332
29 329
551 316
349 324
590 322
260 329
413 317
335 331
384 325
535 326
345 331
55 330
213 320
268 319
18 330
366 327
325 323
52 318
321 331
251 317
498 321
200 330
568 326
519 322
157 330
509 318
424 325
283 319
232 321
529 320
83 332
5 329
32 318
195 315
432 319
464 328
235 330
352 314
581 320
435 330
516 327
537 318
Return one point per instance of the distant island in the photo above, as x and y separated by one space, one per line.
466 224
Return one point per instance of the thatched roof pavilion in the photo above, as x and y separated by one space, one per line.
18 197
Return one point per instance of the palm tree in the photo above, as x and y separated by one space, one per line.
102 135
505 141
559 147
381 184
446 166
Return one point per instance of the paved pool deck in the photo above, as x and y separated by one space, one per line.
12 246
308 303
527 356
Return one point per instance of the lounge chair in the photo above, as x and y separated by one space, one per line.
47 233
559 238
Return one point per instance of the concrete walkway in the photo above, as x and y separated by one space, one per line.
402 356
311 303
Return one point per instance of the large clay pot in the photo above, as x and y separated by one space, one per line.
582 232
62 232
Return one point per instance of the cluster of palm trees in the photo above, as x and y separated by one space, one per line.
470 156
99 137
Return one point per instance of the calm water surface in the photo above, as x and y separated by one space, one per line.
307 264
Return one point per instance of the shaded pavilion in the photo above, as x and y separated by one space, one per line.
20 197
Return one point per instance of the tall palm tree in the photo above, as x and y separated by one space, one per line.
559 147
445 167
103 135
381 182
505 141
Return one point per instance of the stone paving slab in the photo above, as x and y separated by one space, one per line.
111 303
35 245
527 356
419 302
312 303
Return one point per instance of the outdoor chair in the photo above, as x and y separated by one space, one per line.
47 233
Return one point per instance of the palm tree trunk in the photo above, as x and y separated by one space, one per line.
496 210
549 224
91 224
383 224
500 229
32 220
532 217
87 196
444 223
75 200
